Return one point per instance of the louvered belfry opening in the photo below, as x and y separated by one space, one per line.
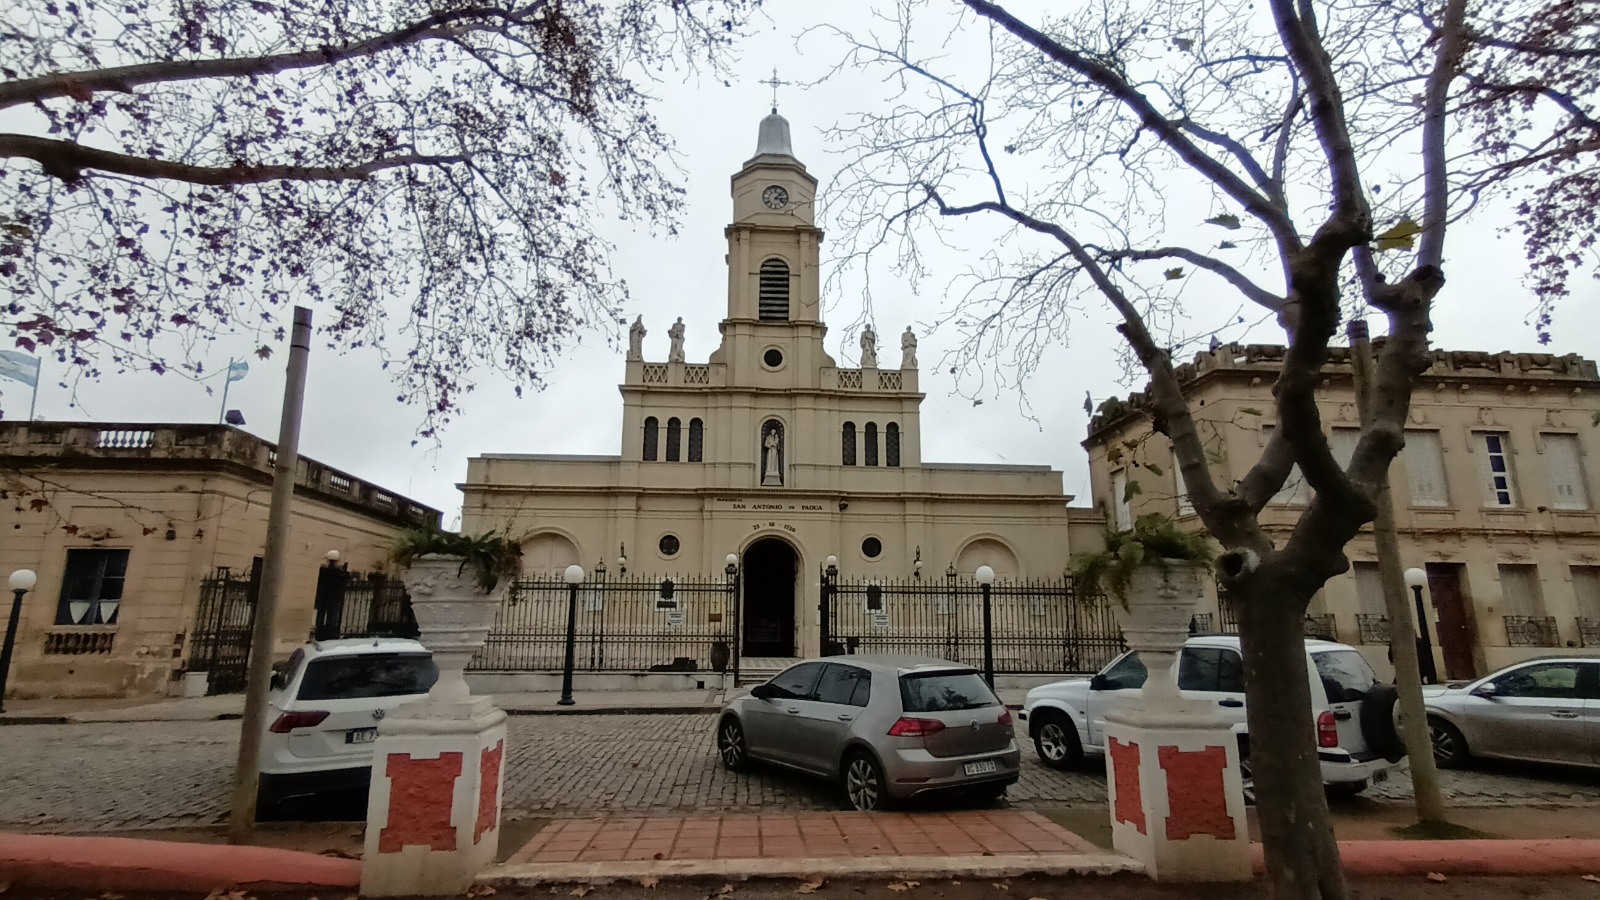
774 298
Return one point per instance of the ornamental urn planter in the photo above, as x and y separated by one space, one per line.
1154 616
454 616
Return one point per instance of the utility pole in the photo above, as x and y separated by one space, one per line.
1402 633
246 773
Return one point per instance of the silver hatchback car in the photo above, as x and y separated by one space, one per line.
885 727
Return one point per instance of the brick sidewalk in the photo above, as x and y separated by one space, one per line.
807 835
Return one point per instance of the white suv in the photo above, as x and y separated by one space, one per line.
1353 714
324 710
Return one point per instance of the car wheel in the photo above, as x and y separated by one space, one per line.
1056 741
1247 775
989 793
269 806
1378 722
731 746
864 784
1449 746
1345 788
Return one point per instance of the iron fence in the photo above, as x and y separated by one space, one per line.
220 640
1037 626
1324 627
1588 631
1532 631
1373 628
351 604
627 624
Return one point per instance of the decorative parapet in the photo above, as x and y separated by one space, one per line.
135 447
1262 360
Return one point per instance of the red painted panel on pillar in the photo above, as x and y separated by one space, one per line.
421 801
1125 769
1197 801
489 790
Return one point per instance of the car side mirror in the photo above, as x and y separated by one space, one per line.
764 691
1487 690
1097 683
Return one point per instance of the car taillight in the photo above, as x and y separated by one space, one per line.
1005 717
909 727
1327 730
289 721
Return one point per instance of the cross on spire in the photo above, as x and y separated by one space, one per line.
774 82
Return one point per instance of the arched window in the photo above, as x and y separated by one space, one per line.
652 434
674 434
697 439
774 297
849 443
891 444
872 444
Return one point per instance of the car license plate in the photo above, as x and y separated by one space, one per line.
980 768
361 736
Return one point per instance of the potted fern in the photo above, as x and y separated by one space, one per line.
1154 573
456 582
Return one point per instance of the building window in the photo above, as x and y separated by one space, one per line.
1122 516
1369 590
1519 591
1495 466
674 438
652 436
1294 491
891 444
1185 505
1342 443
1586 587
872 548
697 440
774 297
773 358
1562 459
668 545
91 588
871 441
849 442
1424 458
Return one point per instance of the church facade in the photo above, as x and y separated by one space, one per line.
770 453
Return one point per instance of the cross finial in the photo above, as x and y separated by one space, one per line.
774 82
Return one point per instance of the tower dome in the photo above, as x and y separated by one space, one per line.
774 136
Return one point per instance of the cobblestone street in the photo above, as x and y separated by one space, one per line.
167 774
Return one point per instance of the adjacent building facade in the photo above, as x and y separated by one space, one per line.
772 453
124 524
1494 494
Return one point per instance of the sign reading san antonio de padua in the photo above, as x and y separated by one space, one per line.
770 506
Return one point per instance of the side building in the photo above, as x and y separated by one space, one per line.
1494 494
130 528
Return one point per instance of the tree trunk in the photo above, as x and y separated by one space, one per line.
1301 857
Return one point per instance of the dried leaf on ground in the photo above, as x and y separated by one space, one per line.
726 889
1001 885
811 886
110 895
581 891
906 885
4 886
480 890
649 881
1591 878
1437 877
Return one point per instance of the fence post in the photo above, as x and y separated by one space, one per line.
830 574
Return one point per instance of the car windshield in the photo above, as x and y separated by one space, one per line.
945 692
368 675
1345 675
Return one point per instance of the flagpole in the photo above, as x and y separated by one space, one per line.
34 403
227 382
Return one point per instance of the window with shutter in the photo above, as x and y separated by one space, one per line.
1343 441
674 436
1494 466
1586 586
1562 458
1123 516
774 296
891 444
697 440
1369 589
652 435
849 443
1519 591
1424 459
871 440
1294 492
1185 506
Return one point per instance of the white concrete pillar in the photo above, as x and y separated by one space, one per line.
433 812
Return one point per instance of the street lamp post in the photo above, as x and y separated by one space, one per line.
1415 579
985 578
830 578
730 568
22 581
574 576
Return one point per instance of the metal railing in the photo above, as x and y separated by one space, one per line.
1372 628
630 624
1532 631
1588 631
1036 626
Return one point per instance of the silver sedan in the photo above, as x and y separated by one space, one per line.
884 727
1541 710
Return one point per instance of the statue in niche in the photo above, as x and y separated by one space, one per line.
636 335
772 455
908 349
675 333
869 348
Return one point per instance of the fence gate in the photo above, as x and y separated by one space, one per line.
350 604
223 627
1037 626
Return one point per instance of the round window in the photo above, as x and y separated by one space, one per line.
669 545
773 358
872 548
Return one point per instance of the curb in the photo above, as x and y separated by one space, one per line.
928 867
1556 856
615 711
35 720
131 864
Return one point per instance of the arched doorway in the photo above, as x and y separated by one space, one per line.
769 571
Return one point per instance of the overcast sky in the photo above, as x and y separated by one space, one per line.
352 421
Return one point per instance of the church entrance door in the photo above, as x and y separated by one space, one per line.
770 566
